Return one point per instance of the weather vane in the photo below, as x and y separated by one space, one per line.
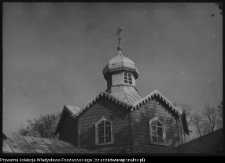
118 32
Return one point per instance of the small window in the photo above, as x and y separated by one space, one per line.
103 132
157 132
127 78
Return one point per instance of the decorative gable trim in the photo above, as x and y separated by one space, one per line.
150 96
110 97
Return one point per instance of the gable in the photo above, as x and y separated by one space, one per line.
104 108
109 97
165 102
71 111
159 95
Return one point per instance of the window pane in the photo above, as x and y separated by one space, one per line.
101 135
154 128
107 123
101 139
130 82
160 131
158 123
101 124
154 133
101 132
129 75
153 123
108 134
160 139
154 139
125 81
104 131
108 130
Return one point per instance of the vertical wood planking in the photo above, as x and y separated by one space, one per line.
141 118
116 113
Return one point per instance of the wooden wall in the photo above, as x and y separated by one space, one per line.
121 125
140 119
69 130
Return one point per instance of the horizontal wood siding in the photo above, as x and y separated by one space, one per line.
141 118
121 127
69 130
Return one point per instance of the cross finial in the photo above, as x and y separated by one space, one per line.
118 32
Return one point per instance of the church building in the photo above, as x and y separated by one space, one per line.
118 120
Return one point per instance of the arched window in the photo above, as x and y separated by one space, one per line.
157 131
103 132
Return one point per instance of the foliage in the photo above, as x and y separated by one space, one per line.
197 123
220 5
43 127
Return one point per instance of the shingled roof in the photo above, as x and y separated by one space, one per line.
208 144
32 145
128 97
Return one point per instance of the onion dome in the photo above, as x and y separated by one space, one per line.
120 63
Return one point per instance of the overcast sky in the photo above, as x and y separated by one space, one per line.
54 53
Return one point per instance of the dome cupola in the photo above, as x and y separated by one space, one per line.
121 74
119 63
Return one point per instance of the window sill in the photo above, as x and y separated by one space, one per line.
105 144
161 144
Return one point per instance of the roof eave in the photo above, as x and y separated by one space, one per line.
148 97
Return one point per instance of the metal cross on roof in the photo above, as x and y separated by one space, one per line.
118 32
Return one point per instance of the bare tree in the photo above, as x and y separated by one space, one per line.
42 127
210 115
197 123
210 120
220 5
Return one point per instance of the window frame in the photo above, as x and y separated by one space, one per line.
151 130
97 143
127 76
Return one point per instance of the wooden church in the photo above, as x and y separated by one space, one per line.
119 120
